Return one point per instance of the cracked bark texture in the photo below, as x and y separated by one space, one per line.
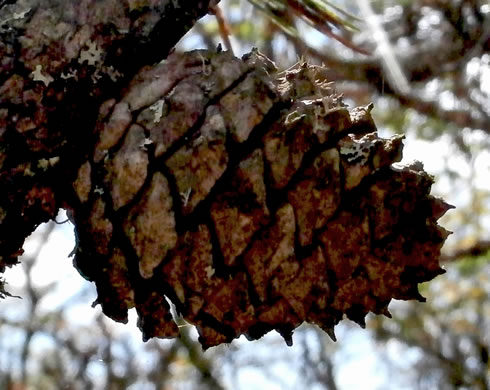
253 200
61 63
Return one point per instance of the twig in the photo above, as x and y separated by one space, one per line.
224 27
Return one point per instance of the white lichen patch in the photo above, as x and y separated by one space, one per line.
15 15
38 75
27 171
209 271
157 108
358 150
113 73
96 76
144 145
99 190
185 196
22 14
44 163
72 74
92 55
54 160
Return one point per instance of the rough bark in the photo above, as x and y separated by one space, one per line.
253 200
59 60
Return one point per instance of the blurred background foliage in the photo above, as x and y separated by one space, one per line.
426 66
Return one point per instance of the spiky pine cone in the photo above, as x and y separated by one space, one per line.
253 200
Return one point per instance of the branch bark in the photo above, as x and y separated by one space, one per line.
59 61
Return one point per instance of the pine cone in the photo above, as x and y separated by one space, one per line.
253 200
